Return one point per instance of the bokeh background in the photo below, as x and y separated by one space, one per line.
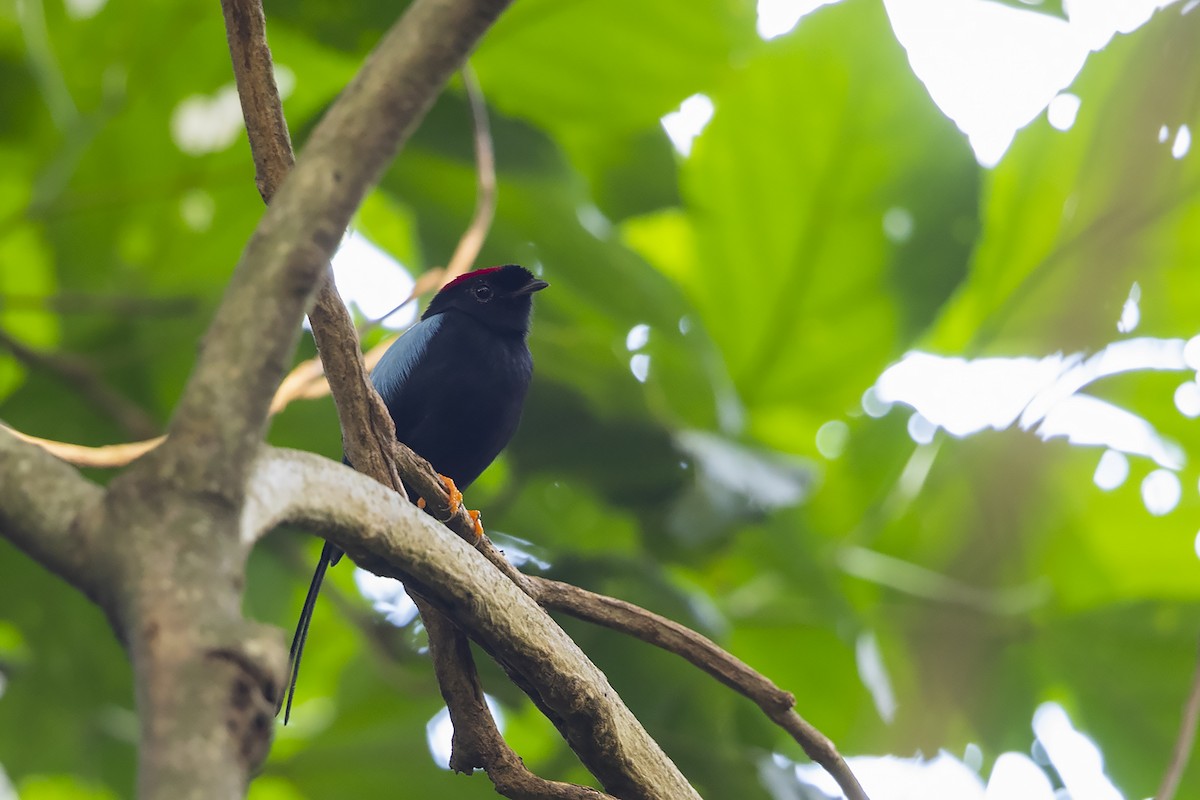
900 411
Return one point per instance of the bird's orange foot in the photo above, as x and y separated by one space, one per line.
456 496
475 518
455 499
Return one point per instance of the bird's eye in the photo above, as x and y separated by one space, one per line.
483 293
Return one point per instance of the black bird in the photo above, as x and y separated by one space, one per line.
454 385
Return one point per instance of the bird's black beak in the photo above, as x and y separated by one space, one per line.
531 287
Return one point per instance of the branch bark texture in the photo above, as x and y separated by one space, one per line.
384 533
777 704
46 509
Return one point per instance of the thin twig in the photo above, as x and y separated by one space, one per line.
472 240
104 456
1183 744
254 71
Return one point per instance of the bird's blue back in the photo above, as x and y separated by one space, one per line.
397 364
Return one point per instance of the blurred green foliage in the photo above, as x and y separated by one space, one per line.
773 298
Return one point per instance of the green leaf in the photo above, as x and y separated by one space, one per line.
540 62
1086 212
813 142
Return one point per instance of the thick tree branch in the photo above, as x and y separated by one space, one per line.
387 535
203 675
46 509
612 613
477 741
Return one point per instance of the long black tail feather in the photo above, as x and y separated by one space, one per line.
330 555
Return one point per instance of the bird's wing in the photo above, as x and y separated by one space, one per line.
398 362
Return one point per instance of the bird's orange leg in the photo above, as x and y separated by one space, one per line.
456 498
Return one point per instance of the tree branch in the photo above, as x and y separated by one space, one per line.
104 456
702 652
384 533
196 662
45 509
254 71
627 618
477 742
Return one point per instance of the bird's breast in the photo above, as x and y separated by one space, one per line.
461 403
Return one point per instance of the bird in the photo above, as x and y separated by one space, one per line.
454 385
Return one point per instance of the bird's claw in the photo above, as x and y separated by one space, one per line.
456 497
454 500
476 517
